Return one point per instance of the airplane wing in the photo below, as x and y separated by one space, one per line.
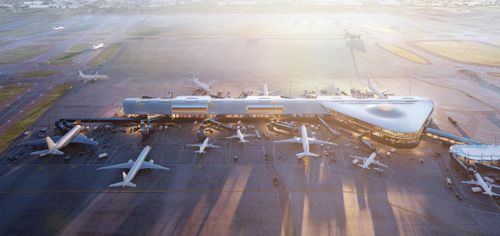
494 185
359 158
318 141
292 140
380 164
151 165
212 146
493 194
470 182
84 140
232 136
126 165
40 142
248 135
193 145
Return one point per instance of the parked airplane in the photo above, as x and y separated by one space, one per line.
486 186
305 140
265 91
58 28
332 90
95 47
71 136
93 77
203 86
202 146
240 136
367 161
134 167
376 90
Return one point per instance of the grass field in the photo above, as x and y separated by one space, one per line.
10 91
67 56
106 53
471 52
401 52
20 54
42 105
38 73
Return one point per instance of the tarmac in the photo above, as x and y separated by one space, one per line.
213 194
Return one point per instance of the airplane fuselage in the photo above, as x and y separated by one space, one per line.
92 77
202 85
369 161
376 90
204 145
305 139
68 137
98 46
240 136
485 186
137 165
265 91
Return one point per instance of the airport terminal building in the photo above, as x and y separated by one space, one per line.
397 120
486 154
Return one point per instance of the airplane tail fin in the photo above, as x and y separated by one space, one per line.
492 194
46 152
124 183
56 152
306 154
41 153
50 143
80 73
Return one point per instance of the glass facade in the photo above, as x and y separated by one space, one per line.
383 135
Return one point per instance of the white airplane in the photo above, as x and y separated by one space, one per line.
486 186
71 136
203 86
58 28
305 140
202 146
93 77
95 47
334 90
240 136
134 167
367 161
376 90
265 91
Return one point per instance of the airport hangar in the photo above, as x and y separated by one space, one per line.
396 120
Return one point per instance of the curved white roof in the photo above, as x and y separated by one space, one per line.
479 152
397 113
407 114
